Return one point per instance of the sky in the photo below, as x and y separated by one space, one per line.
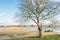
55 0
8 8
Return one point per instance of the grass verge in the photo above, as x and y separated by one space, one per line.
51 37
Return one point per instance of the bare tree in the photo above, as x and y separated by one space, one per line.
36 10
54 21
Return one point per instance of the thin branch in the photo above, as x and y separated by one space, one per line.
50 12
32 19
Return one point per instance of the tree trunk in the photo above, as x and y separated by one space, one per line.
40 33
39 27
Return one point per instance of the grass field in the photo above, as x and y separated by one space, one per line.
51 37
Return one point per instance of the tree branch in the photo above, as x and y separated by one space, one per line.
50 12
32 19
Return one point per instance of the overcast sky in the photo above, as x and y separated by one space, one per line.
7 11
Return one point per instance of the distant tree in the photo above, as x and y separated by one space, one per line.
58 23
36 10
54 21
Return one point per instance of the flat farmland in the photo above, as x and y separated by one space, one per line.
25 31
31 31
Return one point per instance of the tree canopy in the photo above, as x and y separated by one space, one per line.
31 9
36 10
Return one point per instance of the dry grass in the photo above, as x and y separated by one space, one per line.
23 31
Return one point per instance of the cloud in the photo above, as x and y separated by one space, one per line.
6 19
2 14
55 0
58 18
12 23
8 23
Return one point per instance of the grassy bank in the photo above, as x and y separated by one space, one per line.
54 37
